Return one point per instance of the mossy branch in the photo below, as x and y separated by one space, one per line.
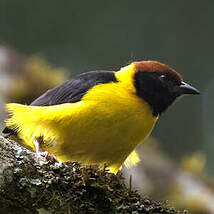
32 185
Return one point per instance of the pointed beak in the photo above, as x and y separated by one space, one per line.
185 88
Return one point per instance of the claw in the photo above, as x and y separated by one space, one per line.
51 158
44 154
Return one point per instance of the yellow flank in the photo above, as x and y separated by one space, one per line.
103 128
132 160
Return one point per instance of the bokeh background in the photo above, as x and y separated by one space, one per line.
42 43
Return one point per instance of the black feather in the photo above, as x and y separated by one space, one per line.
74 89
70 91
7 132
158 93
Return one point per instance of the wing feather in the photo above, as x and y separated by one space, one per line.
70 91
73 90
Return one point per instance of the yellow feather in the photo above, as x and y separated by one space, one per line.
132 160
103 128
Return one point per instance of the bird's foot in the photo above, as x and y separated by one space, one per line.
40 153
49 157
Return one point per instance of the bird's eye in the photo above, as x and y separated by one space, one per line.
168 79
162 76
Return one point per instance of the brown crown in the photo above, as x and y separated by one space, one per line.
154 66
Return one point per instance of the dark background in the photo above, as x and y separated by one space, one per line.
87 35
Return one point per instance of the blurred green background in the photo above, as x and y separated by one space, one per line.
89 35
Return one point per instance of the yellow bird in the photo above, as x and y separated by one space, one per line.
98 117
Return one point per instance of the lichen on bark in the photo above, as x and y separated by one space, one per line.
29 184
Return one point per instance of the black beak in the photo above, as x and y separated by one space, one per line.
185 88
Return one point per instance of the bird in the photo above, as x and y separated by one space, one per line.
98 117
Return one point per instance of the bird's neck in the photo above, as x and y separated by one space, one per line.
125 76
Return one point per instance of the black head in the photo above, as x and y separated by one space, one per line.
159 85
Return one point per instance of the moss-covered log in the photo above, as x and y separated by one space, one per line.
32 185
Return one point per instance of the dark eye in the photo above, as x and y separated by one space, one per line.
169 79
162 76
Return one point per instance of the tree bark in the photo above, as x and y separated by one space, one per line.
29 184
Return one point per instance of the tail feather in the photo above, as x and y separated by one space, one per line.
8 132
